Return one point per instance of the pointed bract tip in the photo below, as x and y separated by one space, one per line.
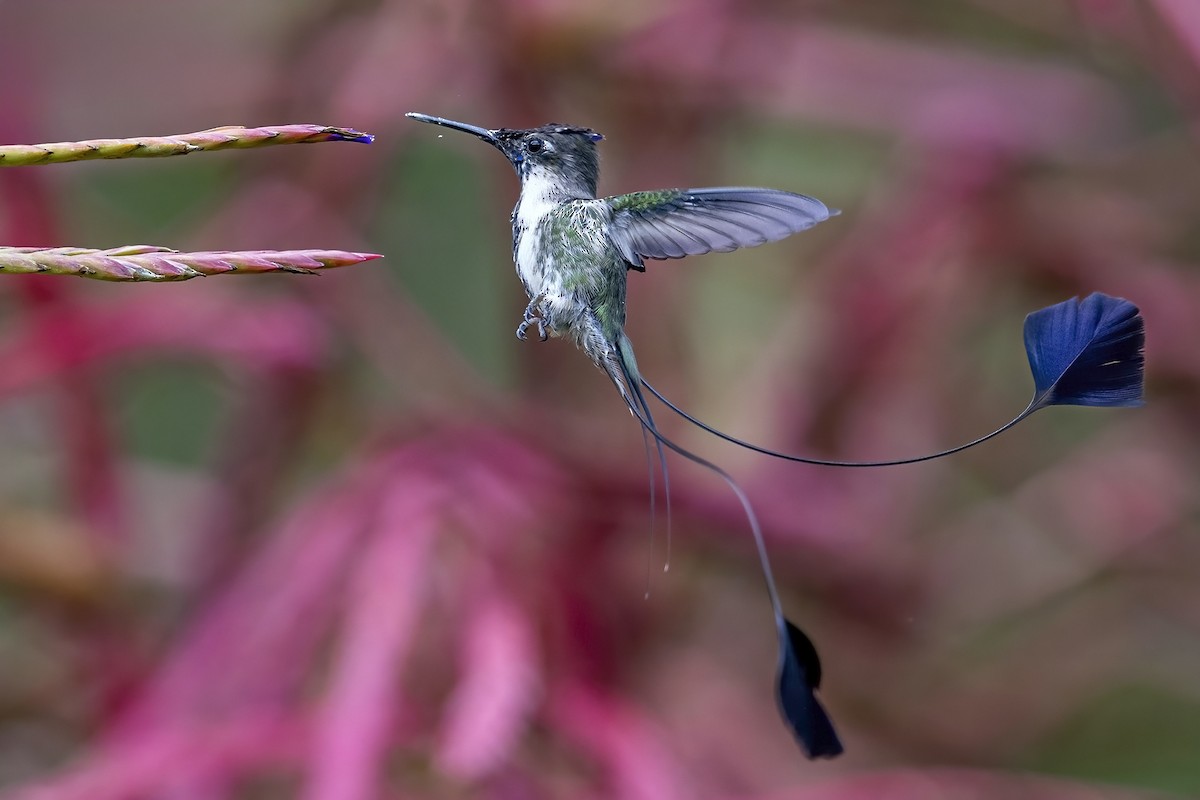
351 135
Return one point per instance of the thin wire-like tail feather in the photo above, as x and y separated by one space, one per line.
652 475
627 375
623 371
1084 353
799 669
662 461
823 462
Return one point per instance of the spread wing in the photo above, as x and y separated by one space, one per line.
674 223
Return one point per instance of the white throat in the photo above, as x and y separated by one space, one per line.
540 194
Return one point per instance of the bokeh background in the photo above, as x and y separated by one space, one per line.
345 537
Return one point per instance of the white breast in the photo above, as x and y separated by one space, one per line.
534 205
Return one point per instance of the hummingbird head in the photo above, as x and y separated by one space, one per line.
564 155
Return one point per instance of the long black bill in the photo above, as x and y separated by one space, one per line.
482 133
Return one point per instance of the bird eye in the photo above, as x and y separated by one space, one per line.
535 145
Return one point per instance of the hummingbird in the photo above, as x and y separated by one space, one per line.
573 252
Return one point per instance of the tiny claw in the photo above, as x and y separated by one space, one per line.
525 326
532 317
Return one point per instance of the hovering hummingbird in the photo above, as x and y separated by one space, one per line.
573 252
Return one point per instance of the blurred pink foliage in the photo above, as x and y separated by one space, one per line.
388 576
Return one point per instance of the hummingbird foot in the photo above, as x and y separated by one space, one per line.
532 316
527 324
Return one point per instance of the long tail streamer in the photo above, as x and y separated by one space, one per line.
1087 353
1082 353
799 667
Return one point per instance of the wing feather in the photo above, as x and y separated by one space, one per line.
690 238
709 237
685 222
661 241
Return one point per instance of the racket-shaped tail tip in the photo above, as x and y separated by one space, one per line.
1087 353
799 678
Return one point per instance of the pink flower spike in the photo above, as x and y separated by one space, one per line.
385 600
491 704
230 137
148 263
